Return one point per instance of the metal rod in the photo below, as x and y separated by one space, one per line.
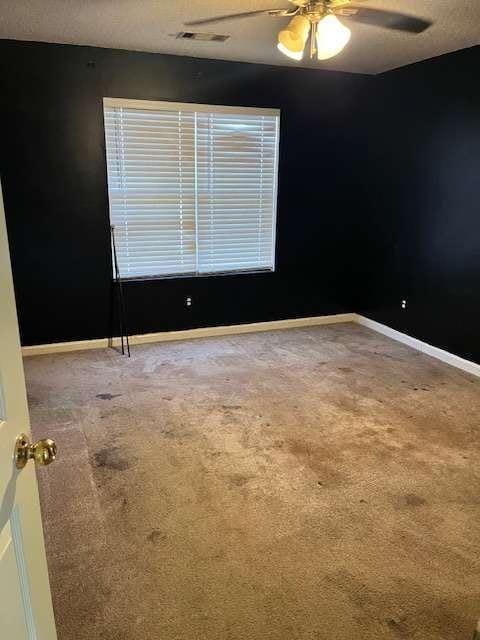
117 279
122 309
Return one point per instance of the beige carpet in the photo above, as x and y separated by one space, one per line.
311 484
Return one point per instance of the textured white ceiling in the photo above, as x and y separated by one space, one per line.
147 25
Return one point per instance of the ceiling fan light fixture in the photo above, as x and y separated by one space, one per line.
332 37
292 40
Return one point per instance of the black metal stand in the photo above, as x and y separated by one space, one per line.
122 309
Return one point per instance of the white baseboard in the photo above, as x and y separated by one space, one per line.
64 347
424 347
188 334
235 329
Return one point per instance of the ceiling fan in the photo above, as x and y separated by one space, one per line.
317 20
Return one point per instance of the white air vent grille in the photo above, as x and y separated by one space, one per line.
203 37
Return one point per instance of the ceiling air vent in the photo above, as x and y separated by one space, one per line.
204 37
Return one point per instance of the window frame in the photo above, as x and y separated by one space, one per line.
156 105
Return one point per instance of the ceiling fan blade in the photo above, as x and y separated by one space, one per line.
385 19
245 14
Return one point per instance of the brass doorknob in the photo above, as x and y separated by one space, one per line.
43 452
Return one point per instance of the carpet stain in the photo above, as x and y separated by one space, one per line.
112 458
155 536
108 396
399 627
316 458
412 500
238 480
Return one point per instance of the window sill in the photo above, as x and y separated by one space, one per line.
183 276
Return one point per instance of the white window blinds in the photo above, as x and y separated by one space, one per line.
192 188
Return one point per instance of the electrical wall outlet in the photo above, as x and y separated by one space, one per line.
188 302
404 304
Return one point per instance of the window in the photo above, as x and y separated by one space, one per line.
192 188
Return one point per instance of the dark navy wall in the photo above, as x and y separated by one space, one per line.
379 193
422 240
54 180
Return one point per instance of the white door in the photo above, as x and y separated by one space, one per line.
25 603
